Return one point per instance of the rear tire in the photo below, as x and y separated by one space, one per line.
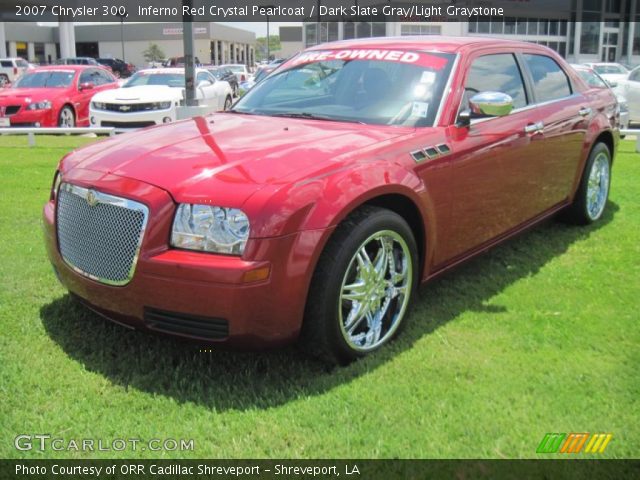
593 192
227 103
4 80
362 287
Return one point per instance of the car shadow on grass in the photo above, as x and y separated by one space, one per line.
225 379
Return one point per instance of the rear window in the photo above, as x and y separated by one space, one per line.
549 80
6 63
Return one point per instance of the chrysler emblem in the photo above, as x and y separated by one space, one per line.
92 199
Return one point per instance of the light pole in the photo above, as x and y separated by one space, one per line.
267 7
122 35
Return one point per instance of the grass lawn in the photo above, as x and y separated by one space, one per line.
539 335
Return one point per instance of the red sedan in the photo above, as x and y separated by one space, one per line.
316 206
55 96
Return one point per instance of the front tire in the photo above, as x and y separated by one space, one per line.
66 117
362 287
227 103
593 192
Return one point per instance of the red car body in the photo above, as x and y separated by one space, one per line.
14 101
297 180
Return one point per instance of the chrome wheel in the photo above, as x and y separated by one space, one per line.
375 290
598 186
66 118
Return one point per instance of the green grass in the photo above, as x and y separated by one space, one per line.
540 335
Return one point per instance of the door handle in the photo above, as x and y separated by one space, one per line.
584 111
534 128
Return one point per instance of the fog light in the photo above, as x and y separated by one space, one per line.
37 124
93 120
166 120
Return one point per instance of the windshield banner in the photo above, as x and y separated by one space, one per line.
422 59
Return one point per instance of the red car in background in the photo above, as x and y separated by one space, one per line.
53 96
317 204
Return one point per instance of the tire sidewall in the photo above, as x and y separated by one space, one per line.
383 220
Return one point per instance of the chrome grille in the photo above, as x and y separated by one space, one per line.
99 235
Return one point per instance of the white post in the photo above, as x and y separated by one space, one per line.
31 52
13 49
3 41
67 39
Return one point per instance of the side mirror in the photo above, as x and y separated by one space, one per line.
491 104
86 86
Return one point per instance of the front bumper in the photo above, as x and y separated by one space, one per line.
29 118
130 121
210 290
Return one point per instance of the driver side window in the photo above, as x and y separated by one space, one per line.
496 73
635 75
203 77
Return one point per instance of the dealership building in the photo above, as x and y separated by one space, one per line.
213 42
580 30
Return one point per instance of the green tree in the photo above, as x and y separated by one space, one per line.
261 46
154 53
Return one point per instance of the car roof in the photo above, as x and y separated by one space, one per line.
76 68
440 43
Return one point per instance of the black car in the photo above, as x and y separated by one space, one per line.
225 74
118 67
77 61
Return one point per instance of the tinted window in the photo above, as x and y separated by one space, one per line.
6 63
45 78
495 73
549 81
103 77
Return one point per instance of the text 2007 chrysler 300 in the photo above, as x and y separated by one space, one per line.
331 190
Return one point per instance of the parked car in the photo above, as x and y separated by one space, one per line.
630 89
53 96
315 208
11 69
261 74
77 61
152 96
240 70
118 67
611 72
600 87
226 75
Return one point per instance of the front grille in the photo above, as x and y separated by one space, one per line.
11 110
130 107
127 124
208 328
99 235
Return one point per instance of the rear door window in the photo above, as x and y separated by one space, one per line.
495 73
549 80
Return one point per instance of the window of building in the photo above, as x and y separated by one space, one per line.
495 73
509 26
590 36
497 26
419 29
311 31
549 80
349 30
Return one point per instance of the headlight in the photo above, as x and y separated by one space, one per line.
98 105
162 105
44 105
210 229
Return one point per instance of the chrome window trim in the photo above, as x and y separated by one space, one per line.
102 197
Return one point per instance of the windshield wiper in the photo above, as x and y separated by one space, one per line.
312 116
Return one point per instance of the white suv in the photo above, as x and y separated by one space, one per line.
11 69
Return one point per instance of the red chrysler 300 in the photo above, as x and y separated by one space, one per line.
316 206
56 96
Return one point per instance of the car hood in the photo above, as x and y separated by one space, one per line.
226 157
143 93
28 95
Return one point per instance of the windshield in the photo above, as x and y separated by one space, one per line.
383 87
216 72
605 69
175 80
236 68
49 78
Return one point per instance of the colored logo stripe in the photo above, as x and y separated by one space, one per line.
574 442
